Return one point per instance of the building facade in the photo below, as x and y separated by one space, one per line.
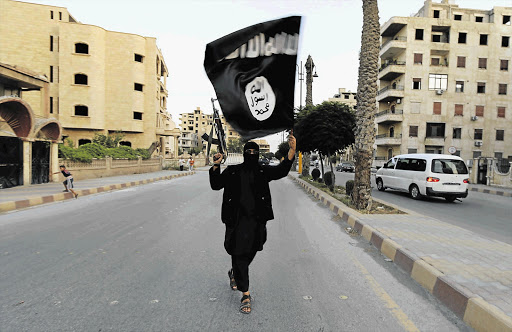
100 81
195 124
345 97
446 83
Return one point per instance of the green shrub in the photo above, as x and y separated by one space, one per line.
65 152
329 180
144 153
122 152
315 174
349 187
94 149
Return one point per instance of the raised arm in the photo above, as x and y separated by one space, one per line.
280 171
216 178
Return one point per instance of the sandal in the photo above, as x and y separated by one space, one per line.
245 305
232 282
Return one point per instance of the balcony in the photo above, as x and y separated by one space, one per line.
434 140
391 70
390 93
385 139
393 26
393 47
389 116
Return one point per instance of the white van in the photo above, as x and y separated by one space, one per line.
438 175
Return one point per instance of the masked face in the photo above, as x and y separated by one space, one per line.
251 153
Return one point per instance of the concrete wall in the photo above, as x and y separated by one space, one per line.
100 168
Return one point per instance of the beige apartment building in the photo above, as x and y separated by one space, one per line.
195 124
100 81
345 97
446 83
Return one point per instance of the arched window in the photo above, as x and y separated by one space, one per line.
81 48
81 110
125 143
81 79
83 141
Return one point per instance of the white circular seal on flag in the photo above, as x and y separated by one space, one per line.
260 98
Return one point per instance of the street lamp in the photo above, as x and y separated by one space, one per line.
309 66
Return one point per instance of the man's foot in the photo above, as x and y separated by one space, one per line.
76 196
232 282
245 305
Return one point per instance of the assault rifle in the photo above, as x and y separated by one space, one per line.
220 141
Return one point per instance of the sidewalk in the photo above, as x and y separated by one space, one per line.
25 196
495 190
470 274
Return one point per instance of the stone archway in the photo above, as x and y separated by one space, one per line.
18 115
48 129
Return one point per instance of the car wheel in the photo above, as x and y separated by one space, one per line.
450 199
380 185
414 191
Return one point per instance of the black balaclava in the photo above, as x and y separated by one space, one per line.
251 159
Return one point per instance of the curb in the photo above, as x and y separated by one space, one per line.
491 191
33 201
472 309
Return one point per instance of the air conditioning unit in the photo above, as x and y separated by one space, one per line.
474 118
478 143
398 101
439 92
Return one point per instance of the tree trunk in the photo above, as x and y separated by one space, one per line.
332 170
366 104
321 164
305 163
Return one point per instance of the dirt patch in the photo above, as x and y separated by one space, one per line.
340 194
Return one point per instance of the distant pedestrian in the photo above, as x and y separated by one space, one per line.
191 163
246 208
181 163
68 183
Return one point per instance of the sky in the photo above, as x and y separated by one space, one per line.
330 33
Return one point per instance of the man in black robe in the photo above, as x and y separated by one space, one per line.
246 208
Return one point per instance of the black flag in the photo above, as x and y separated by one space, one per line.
253 73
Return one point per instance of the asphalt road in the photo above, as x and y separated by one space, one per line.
151 258
488 215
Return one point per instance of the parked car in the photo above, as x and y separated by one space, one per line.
345 167
420 175
264 161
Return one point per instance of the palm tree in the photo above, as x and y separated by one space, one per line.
366 104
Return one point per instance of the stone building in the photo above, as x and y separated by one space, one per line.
445 83
345 97
100 81
28 132
195 124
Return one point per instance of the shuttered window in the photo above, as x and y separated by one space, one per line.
418 58
413 131
482 63
501 112
502 89
479 110
437 107
461 62
459 109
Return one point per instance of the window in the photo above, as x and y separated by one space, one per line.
504 65
413 131
410 151
437 81
462 37
501 112
125 143
500 134
418 58
81 110
83 141
81 79
506 19
139 58
51 74
137 115
435 130
60 16
449 166
437 107
390 164
138 87
459 110
479 111
436 13
434 61
498 155
461 62
483 39
457 17
415 107
346 96
416 83
410 164
502 89
436 38
480 87
459 86
419 34
479 19
505 41
479 133
51 14
477 154
81 48
482 63
457 133
51 43
51 104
